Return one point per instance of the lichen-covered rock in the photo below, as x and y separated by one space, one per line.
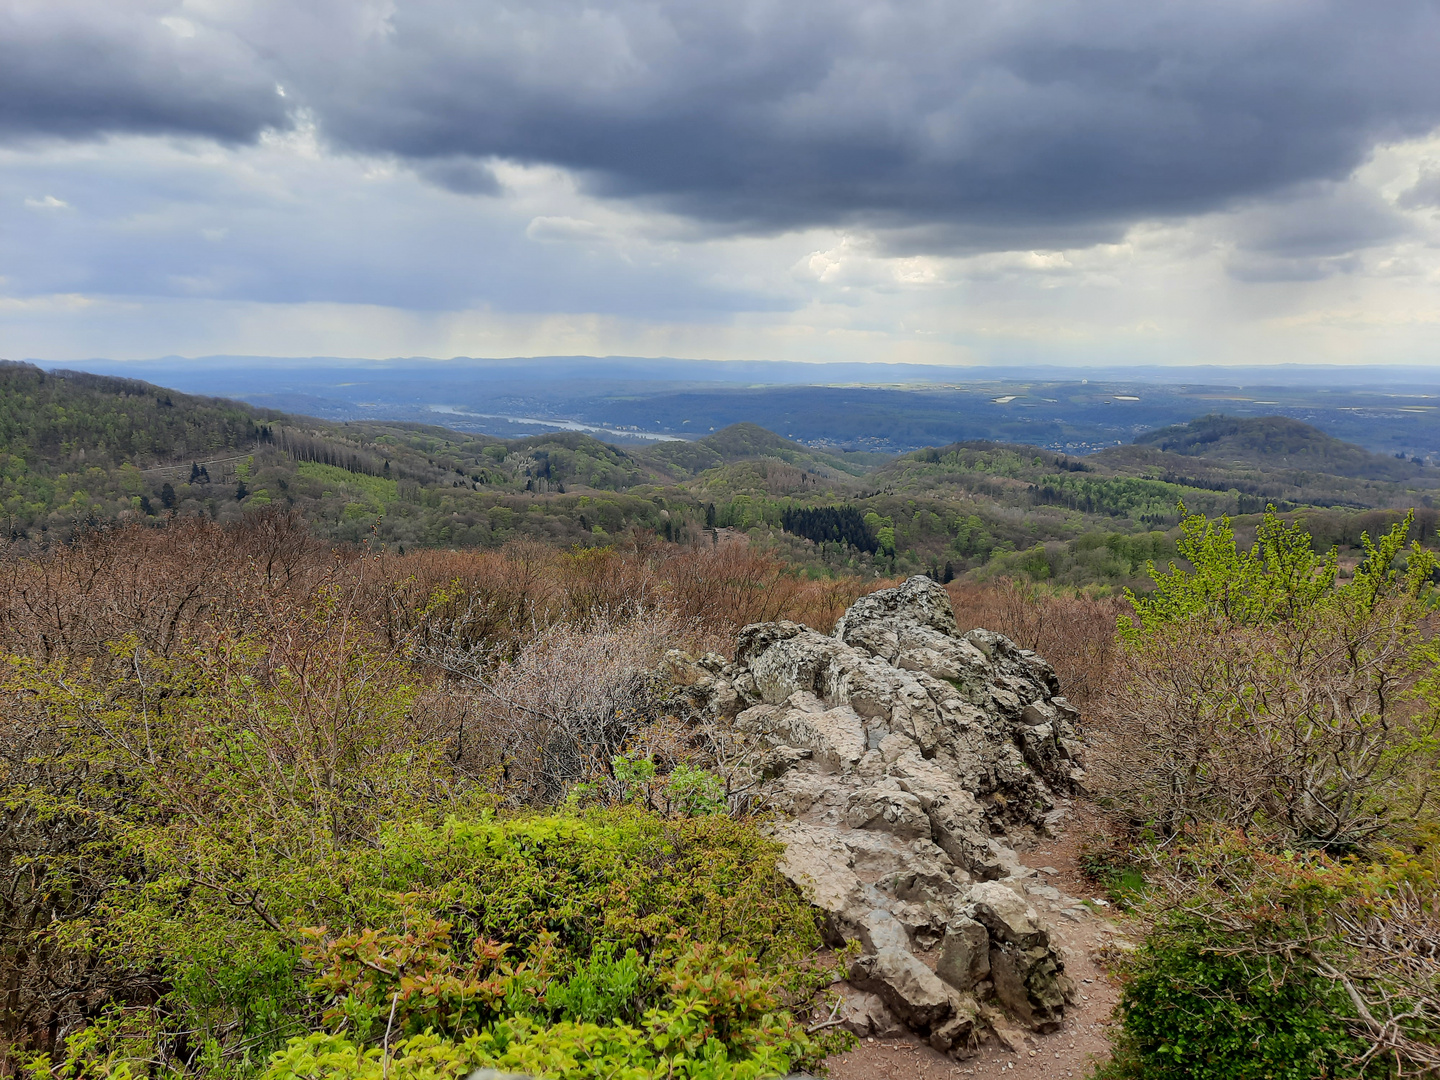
907 757
1030 984
956 1036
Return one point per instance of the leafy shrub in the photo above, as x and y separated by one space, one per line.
1287 966
1255 691
557 996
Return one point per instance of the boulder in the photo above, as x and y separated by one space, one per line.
818 864
888 808
1030 983
956 1036
865 1014
879 929
906 985
1006 915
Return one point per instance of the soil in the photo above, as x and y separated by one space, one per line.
1072 1051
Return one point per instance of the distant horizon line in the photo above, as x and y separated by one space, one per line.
610 357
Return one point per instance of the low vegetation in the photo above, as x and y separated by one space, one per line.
339 750
1270 743
399 813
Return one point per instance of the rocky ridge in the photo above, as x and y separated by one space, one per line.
908 762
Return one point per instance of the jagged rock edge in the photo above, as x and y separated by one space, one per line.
905 760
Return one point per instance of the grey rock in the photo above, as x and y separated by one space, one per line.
881 930
905 984
956 1036
1008 918
887 808
864 1014
1031 984
905 761
964 954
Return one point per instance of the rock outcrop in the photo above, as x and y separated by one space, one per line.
907 760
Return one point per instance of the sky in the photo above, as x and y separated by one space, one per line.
927 181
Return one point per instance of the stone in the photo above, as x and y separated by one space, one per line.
905 984
818 864
964 954
887 809
834 738
958 835
1007 1035
1008 918
881 930
919 602
864 1014
924 880
905 762
1030 983
956 1036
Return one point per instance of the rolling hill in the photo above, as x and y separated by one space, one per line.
78 450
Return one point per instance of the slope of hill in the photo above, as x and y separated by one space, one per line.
748 442
78 448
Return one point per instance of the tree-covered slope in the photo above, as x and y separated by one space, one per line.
78 448
1278 442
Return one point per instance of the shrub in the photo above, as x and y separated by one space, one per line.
1286 966
1256 692
1075 633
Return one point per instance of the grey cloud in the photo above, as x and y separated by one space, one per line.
462 176
1326 220
958 125
1316 231
71 69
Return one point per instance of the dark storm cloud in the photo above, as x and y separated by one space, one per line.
945 123
77 70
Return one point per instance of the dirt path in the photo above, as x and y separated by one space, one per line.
1070 1052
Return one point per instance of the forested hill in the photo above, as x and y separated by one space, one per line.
71 420
77 449
1278 442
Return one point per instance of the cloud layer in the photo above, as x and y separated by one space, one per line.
934 180
979 122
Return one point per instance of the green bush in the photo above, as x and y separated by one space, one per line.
1289 966
1191 1012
